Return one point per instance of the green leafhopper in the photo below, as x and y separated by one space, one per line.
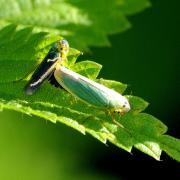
90 91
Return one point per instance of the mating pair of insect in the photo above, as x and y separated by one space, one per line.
53 68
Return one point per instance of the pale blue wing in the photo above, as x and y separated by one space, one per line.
85 91
89 91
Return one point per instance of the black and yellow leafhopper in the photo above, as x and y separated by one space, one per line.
47 67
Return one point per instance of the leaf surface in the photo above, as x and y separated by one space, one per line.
83 23
142 131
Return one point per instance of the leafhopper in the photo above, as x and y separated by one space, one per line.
57 54
53 67
91 92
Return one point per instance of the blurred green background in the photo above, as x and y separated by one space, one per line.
147 58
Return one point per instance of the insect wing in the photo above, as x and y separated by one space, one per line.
43 72
83 88
91 92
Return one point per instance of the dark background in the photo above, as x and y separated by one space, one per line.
147 58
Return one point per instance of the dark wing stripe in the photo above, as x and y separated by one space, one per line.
43 72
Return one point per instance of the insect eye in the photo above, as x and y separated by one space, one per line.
124 106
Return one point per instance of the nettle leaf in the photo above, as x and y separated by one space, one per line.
22 49
82 23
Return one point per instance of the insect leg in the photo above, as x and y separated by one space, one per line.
114 120
117 123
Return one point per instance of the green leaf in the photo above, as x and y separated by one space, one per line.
138 104
83 23
171 146
22 49
89 69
